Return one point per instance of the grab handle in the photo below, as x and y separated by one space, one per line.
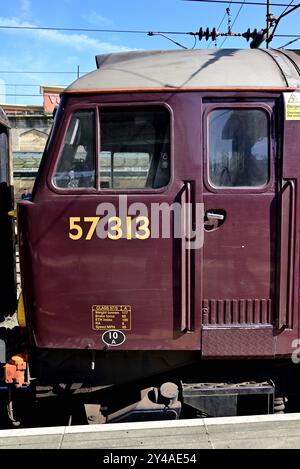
287 245
186 218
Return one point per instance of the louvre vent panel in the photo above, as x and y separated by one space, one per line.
244 311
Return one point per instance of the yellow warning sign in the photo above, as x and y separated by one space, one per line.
292 105
111 317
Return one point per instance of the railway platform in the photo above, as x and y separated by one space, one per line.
280 431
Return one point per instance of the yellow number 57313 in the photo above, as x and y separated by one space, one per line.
116 230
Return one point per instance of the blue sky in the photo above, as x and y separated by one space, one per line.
48 51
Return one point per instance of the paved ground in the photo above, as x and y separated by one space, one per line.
271 431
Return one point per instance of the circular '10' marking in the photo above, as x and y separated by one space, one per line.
113 337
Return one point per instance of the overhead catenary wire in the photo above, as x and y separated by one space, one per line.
235 18
17 94
169 39
237 15
289 43
221 22
27 84
241 2
37 72
125 31
292 1
87 30
277 20
175 42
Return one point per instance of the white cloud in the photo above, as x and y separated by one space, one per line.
72 59
98 20
25 7
79 42
11 64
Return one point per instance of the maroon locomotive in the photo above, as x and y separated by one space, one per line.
160 247
7 284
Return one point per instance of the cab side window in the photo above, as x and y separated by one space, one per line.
238 147
134 148
77 162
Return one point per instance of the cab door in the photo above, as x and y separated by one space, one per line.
99 228
241 243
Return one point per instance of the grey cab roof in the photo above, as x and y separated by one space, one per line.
192 69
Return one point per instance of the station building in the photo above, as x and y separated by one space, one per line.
30 126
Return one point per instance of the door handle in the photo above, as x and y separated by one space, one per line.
214 219
214 216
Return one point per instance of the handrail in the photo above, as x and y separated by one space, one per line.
186 220
287 242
